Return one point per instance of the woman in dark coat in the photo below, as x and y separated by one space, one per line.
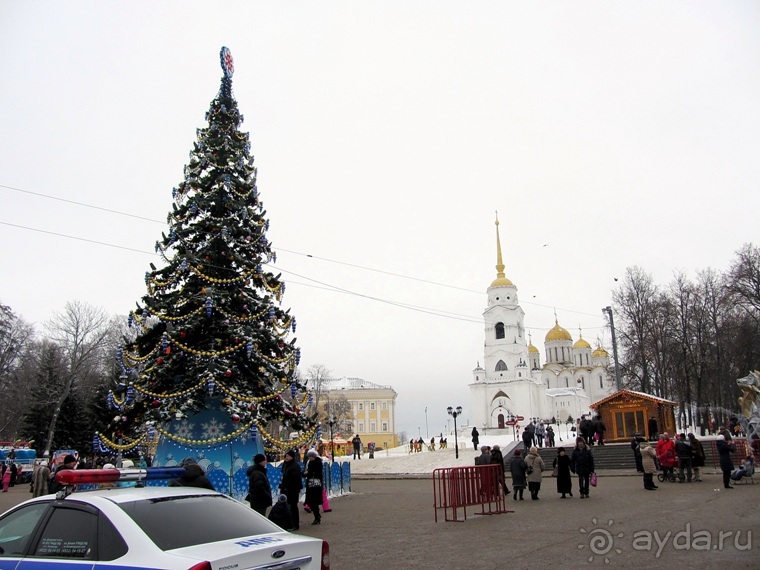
314 482
725 449
475 438
564 480
259 490
698 461
291 484
497 458
582 463
518 467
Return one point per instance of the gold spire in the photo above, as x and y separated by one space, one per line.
501 280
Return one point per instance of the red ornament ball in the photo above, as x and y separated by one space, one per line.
228 373
235 418
160 360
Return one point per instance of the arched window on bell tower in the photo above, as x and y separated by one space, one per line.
500 366
499 330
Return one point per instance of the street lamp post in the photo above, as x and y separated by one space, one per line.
512 420
427 432
333 421
608 311
454 413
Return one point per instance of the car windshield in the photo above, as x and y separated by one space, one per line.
177 522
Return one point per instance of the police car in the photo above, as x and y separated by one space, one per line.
147 528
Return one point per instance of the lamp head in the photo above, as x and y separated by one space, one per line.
459 409
450 410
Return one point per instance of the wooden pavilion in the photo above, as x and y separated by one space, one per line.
627 412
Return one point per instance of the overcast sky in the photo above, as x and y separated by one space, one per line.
387 134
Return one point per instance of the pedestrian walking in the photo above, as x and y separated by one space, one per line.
314 484
534 472
561 465
475 438
517 468
291 484
599 430
582 464
497 458
357 442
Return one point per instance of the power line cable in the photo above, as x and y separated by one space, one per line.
308 255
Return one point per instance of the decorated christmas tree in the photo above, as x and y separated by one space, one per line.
210 334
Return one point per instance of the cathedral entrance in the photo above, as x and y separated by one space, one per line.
501 421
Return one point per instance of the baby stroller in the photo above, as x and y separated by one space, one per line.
667 468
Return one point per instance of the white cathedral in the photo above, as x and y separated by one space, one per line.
512 381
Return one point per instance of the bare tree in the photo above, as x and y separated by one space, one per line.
15 337
316 376
635 303
744 280
338 407
81 331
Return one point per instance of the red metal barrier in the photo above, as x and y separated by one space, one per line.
457 488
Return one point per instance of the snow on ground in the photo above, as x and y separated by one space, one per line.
398 460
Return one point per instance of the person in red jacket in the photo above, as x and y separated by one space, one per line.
666 453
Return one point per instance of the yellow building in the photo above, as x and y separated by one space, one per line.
372 409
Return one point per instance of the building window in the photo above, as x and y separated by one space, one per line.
385 426
500 366
372 405
385 405
361 426
601 385
361 406
372 427
583 382
547 384
499 330
567 383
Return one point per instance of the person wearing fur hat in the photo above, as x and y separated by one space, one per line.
259 490
314 483
291 484
280 513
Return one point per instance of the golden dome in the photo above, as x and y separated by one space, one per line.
557 333
502 282
581 344
532 349
600 352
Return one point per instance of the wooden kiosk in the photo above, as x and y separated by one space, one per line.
626 413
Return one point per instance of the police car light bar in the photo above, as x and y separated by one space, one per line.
85 476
